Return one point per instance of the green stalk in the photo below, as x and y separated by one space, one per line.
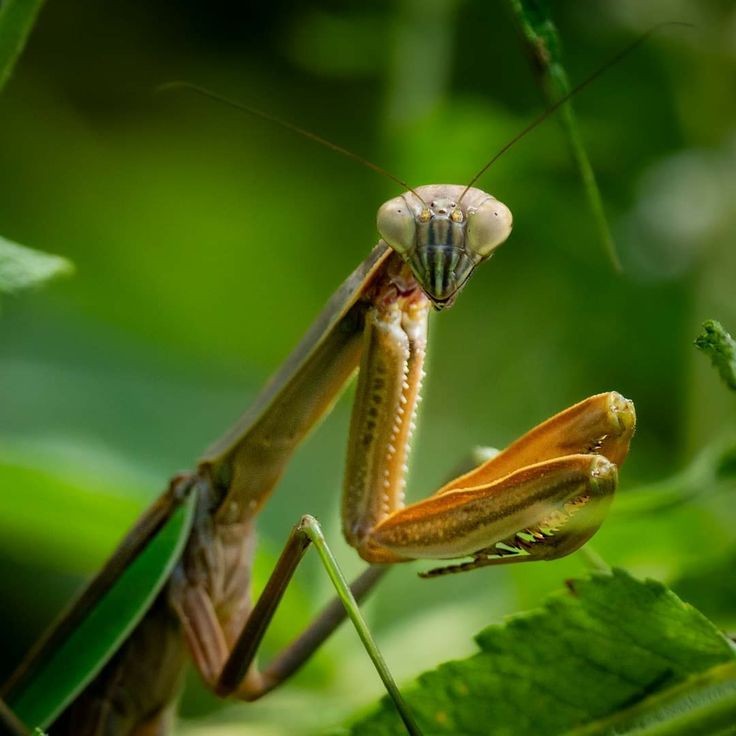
541 35
16 21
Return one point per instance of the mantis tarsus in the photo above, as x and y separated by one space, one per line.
541 498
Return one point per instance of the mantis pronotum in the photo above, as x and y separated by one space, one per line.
540 498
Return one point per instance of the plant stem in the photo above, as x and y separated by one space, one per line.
16 21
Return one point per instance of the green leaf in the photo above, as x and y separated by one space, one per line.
540 33
64 674
51 495
716 343
16 21
23 268
606 654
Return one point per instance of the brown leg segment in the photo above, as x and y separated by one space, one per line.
288 661
9 724
233 673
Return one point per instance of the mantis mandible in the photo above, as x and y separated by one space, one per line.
541 498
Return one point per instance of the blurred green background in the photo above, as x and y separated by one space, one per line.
205 242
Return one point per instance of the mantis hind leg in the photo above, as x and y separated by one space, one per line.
230 670
9 724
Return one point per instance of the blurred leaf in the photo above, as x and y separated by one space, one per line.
341 45
712 472
38 503
544 47
23 268
716 343
64 673
16 21
609 648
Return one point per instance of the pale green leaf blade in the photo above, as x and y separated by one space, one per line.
24 268
16 21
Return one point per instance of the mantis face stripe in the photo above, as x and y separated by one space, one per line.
443 232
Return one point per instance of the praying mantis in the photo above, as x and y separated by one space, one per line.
541 498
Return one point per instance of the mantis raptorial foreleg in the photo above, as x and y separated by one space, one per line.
553 485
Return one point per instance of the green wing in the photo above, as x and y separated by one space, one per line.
106 613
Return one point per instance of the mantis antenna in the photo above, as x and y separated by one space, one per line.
256 112
289 126
565 98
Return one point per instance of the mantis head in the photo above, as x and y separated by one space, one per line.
443 231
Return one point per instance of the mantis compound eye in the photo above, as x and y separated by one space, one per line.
488 226
397 225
